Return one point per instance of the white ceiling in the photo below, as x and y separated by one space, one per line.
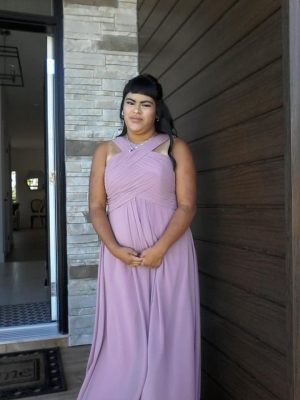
43 7
24 106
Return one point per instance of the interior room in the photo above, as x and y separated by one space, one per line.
24 280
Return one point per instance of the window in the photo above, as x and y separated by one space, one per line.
14 186
33 183
35 180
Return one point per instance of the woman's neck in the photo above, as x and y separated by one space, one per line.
140 137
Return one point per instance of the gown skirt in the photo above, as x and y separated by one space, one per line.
146 341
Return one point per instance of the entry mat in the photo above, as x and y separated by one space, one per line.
25 314
31 373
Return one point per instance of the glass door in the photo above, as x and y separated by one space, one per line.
51 168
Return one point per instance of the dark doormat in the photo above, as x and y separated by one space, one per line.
31 373
25 314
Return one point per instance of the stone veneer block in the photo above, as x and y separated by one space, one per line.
100 55
81 147
82 321
84 272
117 43
98 3
77 340
82 301
83 311
80 58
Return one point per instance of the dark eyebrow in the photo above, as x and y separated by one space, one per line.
144 101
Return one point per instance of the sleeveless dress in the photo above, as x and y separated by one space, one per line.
146 343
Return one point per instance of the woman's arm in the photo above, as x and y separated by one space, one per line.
186 205
97 210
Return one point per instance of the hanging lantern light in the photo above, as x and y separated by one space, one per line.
10 64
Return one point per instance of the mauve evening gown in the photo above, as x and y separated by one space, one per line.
146 343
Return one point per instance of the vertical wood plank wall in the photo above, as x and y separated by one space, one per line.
220 63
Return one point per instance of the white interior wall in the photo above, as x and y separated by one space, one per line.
2 244
23 161
6 182
43 7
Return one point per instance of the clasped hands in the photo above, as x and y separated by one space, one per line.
151 257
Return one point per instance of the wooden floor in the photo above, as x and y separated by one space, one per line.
74 361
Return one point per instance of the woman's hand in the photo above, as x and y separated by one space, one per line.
151 257
128 256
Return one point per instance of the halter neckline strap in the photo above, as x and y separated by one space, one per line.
152 142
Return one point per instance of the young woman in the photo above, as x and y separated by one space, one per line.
146 343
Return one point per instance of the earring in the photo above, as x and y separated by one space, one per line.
157 118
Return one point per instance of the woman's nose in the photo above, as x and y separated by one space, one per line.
137 108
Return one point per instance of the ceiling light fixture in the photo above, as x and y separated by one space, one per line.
10 64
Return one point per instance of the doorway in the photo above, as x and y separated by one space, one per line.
30 263
25 297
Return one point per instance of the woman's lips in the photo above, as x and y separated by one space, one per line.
135 119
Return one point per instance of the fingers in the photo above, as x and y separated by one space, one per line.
136 260
141 260
135 264
148 264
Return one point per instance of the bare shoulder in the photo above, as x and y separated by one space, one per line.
100 153
181 148
101 147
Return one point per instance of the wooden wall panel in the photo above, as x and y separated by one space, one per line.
212 390
200 21
230 68
234 380
155 19
182 10
220 64
258 273
144 10
258 183
258 229
225 110
139 4
263 363
226 29
260 318
291 57
256 139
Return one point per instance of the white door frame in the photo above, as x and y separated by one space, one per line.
53 25
51 169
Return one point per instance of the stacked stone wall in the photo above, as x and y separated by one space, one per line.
100 55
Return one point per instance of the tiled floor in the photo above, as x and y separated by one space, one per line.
23 276
24 279
23 282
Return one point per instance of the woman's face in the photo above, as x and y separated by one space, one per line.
139 113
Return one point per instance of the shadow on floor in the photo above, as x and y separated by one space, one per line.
28 245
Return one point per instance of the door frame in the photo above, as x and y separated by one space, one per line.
291 87
42 24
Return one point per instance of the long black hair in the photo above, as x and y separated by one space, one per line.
147 85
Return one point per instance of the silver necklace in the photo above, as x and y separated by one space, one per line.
134 146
